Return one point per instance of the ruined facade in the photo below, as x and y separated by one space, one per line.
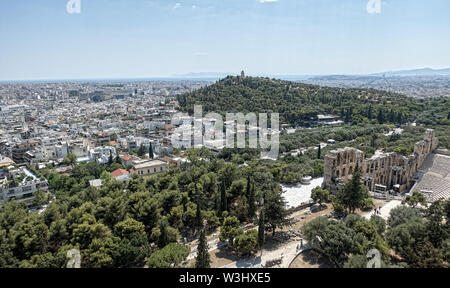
383 170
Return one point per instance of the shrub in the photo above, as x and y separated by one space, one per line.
247 243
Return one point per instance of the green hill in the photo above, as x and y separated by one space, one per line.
300 103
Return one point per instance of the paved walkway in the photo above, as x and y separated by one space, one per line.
213 245
287 252
385 210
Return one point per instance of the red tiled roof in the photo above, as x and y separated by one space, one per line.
119 172
125 157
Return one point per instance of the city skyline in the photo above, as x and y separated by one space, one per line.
157 39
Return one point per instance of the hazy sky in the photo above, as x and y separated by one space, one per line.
156 38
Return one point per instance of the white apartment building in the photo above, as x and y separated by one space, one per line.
153 125
102 154
182 137
79 148
19 184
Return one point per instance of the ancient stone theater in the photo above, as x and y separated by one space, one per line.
382 172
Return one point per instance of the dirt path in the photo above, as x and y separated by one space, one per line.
311 259
223 256
272 249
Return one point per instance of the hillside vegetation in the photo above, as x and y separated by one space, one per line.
299 103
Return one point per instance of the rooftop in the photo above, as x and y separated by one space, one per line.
5 161
125 157
149 164
119 172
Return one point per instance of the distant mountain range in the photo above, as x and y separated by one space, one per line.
400 73
203 75
420 83
416 72
221 75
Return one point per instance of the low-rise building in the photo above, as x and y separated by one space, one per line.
145 168
126 160
102 139
79 148
19 184
19 150
121 175
5 161
102 155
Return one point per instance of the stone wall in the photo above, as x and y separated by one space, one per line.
386 169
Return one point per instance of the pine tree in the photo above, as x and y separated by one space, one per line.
400 118
436 230
163 239
369 113
198 215
247 191
392 116
217 203
141 151
223 197
354 192
373 141
203 259
319 152
251 200
275 212
347 116
110 161
448 116
150 152
380 117
261 226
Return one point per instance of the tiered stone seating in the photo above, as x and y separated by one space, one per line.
434 175
439 186
439 164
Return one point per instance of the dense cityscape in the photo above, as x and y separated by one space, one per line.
114 156
171 138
